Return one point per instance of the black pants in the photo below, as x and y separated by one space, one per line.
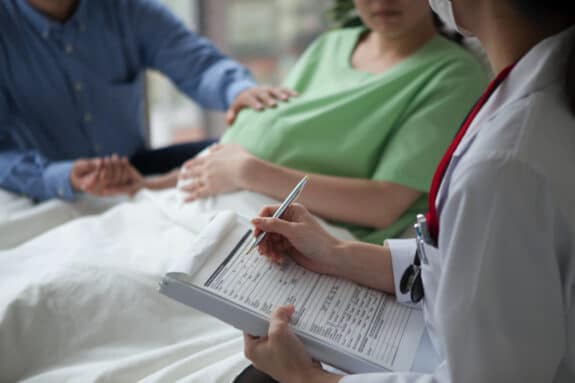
253 375
163 160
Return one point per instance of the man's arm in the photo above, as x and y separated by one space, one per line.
192 62
26 171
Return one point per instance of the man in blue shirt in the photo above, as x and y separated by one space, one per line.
71 89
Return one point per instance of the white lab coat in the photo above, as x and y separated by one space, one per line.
500 291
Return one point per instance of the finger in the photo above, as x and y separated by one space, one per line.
274 225
268 211
253 102
231 116
280 94
118 170
290 92
271 247
279 323
84 167
99 165
89 183
194 162
265 97
106 170
193 186
251 344
125 171
189 174
201 192
93 181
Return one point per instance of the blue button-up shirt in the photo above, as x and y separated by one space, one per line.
75 89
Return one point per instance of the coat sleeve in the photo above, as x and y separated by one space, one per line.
25 171
192 62
500 307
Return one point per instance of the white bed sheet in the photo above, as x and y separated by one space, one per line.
80 302
21 219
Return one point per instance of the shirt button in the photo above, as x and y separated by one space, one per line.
97 148
87 117
82 28
69 48
78 86
61 192
45 35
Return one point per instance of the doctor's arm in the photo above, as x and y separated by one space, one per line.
499 306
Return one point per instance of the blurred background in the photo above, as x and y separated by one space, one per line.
267 36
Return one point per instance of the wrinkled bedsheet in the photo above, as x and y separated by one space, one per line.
79 303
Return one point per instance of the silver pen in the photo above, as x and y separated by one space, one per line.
285 204
420 244
424 229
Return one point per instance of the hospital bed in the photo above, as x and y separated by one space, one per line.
22 219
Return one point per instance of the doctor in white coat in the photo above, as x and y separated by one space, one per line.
499 289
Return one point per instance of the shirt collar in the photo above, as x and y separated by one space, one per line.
44 24
543 65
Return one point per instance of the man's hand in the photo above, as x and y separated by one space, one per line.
83 171
106 176
282 355
258 98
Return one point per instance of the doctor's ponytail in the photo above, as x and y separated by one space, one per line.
545 10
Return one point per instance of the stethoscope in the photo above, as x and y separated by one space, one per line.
411 281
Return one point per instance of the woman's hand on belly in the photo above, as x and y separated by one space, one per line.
219 171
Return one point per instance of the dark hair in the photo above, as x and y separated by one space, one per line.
546 10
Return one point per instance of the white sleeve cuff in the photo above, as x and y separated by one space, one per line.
402 253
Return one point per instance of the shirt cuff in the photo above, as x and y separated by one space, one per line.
57 180
237 87
402 253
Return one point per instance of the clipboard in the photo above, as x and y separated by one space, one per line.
184 288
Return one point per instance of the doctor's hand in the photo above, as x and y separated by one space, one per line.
298 235
219 171
282 355
258 98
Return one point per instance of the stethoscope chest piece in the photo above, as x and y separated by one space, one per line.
411 282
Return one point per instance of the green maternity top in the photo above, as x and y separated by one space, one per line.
392 126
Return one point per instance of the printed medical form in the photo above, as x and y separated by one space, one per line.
362 321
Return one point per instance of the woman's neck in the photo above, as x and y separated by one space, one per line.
378 52
401 45
59 10
508 37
